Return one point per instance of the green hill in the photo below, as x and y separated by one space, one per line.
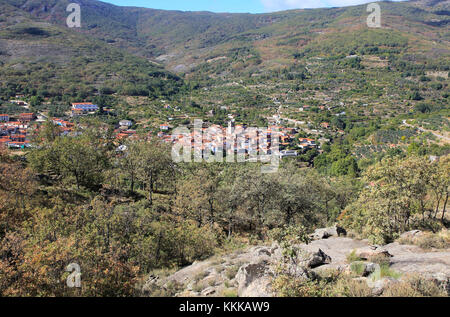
38 57
317 56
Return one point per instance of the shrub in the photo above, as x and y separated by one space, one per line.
425 287
198 287
347 287
384 271
358 267
170 289
439 240
292 234
200 276
400 290
330 283
288 286
231 272
352 257
414 286
432 241
380 259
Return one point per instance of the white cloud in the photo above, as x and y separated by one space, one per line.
277 5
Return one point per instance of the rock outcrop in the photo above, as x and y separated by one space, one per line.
373 251
325 233
411 234
317 259
255 279
379 286
249 272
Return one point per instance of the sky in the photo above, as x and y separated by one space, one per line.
252 6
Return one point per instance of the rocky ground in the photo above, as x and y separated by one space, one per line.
248 273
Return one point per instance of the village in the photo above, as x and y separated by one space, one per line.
17 131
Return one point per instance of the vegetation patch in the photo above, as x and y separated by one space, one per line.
428 240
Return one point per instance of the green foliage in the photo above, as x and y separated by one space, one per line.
414 286
80 160
352 257
358 267
440 240
384 271
396 194
337 162
327 284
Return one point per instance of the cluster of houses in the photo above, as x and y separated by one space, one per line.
64 126
14 133
239 139
14 130
124 131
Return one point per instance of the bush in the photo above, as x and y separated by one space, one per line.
385 271
231 272
358 267
348 287
432 241
427 241
330 283
169 290
425 287
352 257
287 286
380 260
414 286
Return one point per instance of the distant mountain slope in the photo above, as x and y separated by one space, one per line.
306 48
36 55
184 39
150 30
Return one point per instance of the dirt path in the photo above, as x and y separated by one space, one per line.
439 136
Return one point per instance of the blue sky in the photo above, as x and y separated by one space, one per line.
253 6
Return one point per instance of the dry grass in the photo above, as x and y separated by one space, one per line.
200 276
352 257
380 259
347 287
231 292
170 289
329 283
428 240
385 271
414 286
358 268
231 272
